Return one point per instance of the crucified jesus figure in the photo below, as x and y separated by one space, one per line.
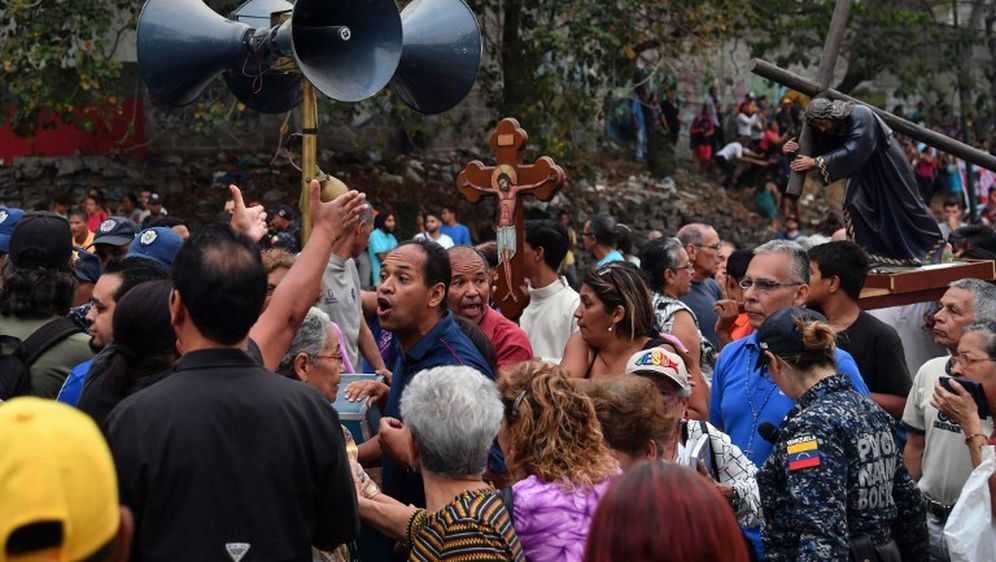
504 187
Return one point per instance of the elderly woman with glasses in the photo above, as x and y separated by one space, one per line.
975 369
452 415
315 354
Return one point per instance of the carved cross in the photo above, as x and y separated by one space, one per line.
509 180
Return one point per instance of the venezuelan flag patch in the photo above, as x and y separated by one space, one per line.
803 452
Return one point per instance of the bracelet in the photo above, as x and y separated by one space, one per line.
968 440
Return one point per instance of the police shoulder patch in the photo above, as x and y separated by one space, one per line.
803 452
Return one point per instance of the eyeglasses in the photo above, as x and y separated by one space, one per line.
688 266
764 285
333 356
966 360
715 246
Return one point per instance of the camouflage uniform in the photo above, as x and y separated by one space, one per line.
835 474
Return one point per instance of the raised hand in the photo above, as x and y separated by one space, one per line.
250 221
340 215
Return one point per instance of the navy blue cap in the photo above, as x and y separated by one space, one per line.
154 199
8 219
158 243
779 334
283 211
86 266
116 231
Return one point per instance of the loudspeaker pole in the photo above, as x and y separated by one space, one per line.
309 155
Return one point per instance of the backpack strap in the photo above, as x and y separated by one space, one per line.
47 337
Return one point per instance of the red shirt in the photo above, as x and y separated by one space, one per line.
510 341
93 221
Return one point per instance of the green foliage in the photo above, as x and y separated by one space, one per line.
550 63
912 41
57 55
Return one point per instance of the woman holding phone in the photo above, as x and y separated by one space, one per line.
975 362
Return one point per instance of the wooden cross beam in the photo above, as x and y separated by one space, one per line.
509 180
916 132
828 59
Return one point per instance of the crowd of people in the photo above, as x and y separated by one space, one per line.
169 393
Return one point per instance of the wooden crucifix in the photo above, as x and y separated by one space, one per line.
509 180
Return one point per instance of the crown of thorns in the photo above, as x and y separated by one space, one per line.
822 109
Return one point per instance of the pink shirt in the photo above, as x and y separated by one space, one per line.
510 341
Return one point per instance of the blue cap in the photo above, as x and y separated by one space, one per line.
86 266
157 243
8 219
116 231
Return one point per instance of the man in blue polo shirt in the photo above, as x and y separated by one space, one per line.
411 303
450 227
599 237
743 396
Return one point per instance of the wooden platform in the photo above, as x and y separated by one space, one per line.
922 284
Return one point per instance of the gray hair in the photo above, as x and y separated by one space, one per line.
984 305
799 269
602 227
987 328
693 234
454 413
310 339
367 216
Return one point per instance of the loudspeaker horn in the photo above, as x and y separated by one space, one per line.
183 45
441 55
348 50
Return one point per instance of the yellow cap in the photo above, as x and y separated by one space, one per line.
56 466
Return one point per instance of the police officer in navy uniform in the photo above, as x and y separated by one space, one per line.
835 487
284 231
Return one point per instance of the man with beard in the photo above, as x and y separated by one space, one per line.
468 296
119 277
882 209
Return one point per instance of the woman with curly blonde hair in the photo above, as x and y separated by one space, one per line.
555 450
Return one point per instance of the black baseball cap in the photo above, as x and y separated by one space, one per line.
154 199
779 334
41 239
116 231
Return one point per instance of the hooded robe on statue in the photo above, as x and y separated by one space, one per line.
883 212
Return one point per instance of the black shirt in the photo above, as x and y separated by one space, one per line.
223 456
878 351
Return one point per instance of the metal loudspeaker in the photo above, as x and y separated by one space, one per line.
348 50
441 56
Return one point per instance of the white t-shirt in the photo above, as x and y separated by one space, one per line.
946 461
445 241
731 151
745 124
549 320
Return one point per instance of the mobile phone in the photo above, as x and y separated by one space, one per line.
974 389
